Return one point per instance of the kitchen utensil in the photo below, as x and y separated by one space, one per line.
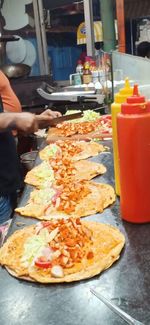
129 320
55 121
16 70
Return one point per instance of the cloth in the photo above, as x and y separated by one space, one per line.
7 205
10 101
5 208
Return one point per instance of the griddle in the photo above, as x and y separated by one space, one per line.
127 282
65 95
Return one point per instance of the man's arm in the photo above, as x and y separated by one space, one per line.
24 122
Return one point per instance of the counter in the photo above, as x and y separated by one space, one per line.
126 283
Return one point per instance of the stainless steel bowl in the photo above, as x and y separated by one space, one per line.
28 159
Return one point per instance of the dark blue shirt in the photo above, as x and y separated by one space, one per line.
9 163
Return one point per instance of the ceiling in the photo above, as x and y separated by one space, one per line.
137 8
49 4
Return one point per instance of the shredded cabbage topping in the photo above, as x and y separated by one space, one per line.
34 246
43 196
88 115
52 149
45 171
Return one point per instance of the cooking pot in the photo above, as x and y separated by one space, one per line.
16 70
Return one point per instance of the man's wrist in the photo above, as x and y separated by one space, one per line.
12 121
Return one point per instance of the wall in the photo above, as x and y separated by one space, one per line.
63 53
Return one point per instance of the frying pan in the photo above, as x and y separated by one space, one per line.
16 70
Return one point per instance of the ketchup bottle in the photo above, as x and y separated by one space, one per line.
133 126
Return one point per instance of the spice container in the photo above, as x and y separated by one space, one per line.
133 126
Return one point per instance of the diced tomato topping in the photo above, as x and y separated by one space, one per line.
54 198
43 263
106 117
90 255
46 224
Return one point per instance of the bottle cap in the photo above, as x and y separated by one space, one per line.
88 58
135 104
123 93
136 98
92 62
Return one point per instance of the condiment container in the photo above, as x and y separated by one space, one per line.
133 126
120 98
95 76
87 75
79 67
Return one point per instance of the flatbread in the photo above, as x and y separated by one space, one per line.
84 170
88 149
54 135
100 128
107 243
40 174
14 244
100 197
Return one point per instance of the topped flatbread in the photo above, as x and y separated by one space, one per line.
80 198
82 130
77 150
61 250
44 175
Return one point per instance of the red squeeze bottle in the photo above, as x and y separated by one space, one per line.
133 124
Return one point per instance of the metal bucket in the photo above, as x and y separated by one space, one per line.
28 159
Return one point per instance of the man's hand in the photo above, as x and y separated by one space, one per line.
45 118
51 114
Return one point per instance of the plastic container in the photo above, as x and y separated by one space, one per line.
79 67
95 76
93 65
133 124
115 109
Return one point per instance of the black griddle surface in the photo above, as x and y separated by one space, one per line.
127 282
